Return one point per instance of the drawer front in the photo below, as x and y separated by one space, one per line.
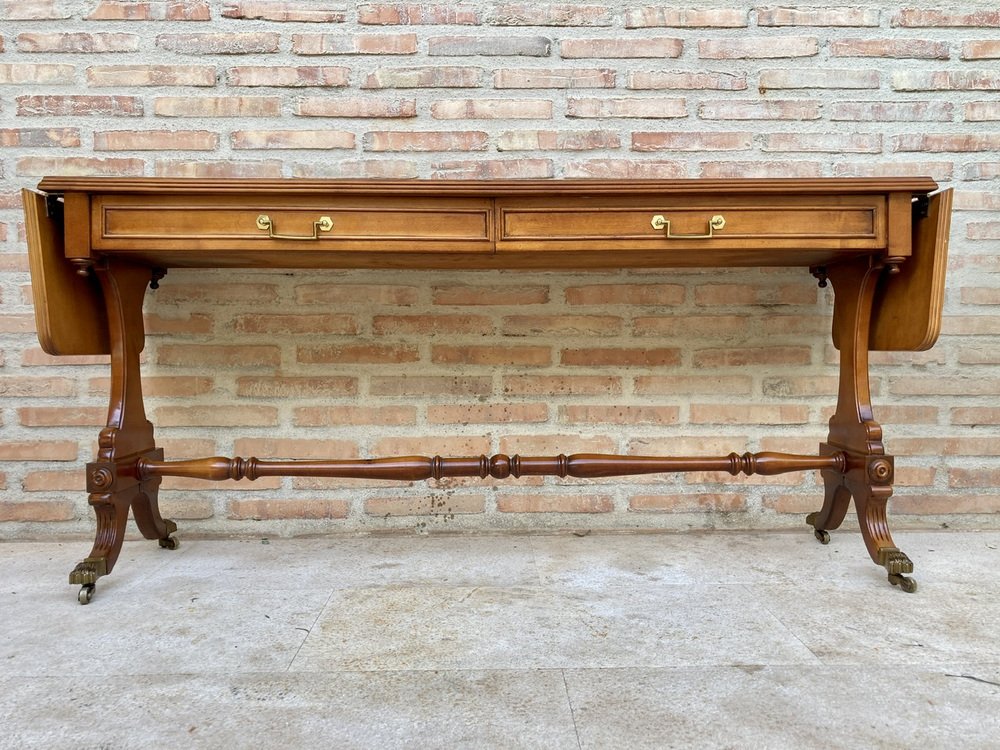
277 223
648 222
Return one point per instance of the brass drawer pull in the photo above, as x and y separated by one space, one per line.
322 224
661 222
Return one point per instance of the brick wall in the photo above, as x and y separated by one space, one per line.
386 363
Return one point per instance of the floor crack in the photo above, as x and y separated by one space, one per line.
974 679
572 711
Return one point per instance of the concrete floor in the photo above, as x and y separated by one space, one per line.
603 641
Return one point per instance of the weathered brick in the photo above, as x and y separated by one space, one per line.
751 294
431 324
284 323
661 47
76 42
280 10
620 415
424 77
894 48
561 385
674 385
491 109
563 325
217 293
151 10
436 504
388 140
33 10
982 171
486 413
939 142
219 415
36 74
555 503
554 78
314 106
216 355
915 18
166 386
654 17
820 78
621 357
36 357
36 450
554 14
463 294
39 138
156 140
288 76
489 46
625 294
493 169
946 80
730 170
680 80
217 106
652 108
62 416
220 43
430 386
150 75
39 166
36 511
658 141
366 354
354 44
792 109
834 143
892 111
763 414
975 415
557 140
248 386
392 14
982 111
688 503
843 16
271 168
986 49
292 139
986 230
761 355
335 416
515 356
623 169
941 171
351 294
757 47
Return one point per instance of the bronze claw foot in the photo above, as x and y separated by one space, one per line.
85 574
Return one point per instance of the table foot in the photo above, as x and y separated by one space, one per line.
909 585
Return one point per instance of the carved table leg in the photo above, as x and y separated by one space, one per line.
853 430
112 480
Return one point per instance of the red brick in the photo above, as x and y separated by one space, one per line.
36 357
986 49
37 511
62 416
489 46
16 386
561 385
562 325
553 503
491 109
493 169
381 169
335 416
486 413
218 355
217 415
621 357
625 294
757 47
923 504
620 415
292 139
941 171
793 109
290 448
623 169
631 108
314 106
39 166
819 78
942 142
892 111
743 169
272 168
978 477
424 77
39 137
366 354
947 446
220 43
462 445
156 140
763 414
749 294
660 47
919 385
655 17
817 17
217 106
150 75
268 510
289 76
659 141
688 503
392 14
758 355
429 386
76 42
388 140
662 80
914 18
351 294
218 294
554 78
557 140
918 49
832 143
76 106
785 387
431 324
437 504
489 295
279 10
975 415
530 356
169 386
53 481
55 450
354 44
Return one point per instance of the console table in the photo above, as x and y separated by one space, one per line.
96 244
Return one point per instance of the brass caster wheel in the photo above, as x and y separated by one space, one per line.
86 593
169 543
909 585
822 536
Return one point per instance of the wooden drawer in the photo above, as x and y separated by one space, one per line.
750 222
190 223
